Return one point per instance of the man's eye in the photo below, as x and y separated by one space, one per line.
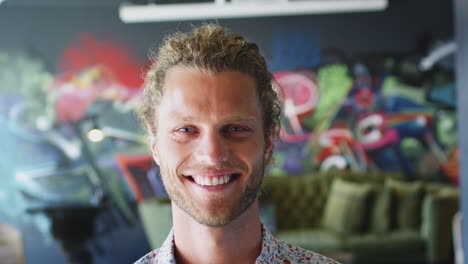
183 134
185 129
237 129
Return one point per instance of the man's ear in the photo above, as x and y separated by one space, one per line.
152 136
269 143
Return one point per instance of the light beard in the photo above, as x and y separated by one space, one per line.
218 217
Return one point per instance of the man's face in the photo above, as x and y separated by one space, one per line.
210 143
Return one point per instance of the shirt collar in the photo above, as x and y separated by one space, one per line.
269 247
166 251
268 253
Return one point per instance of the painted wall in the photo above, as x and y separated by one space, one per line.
46 31
461 18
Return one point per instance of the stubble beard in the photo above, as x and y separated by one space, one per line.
216 218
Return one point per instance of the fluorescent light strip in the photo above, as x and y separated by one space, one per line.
178 12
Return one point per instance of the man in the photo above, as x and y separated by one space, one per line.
212 116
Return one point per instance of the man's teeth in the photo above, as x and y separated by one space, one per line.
212 181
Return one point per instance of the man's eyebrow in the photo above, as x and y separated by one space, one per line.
242 118
186 118
174 115
227 120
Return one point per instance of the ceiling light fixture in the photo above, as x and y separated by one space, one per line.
131 13
95 135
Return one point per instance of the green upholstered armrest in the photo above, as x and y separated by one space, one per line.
438 210
156 217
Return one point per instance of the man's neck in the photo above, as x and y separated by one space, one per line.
238 242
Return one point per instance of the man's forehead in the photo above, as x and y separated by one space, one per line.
190 94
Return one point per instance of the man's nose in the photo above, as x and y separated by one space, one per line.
212 148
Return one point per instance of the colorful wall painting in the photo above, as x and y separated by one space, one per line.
54 174
342 116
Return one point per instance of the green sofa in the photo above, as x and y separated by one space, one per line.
362 218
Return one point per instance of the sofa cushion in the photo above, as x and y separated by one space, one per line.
406 203
317 240
381 214
441 189
346 209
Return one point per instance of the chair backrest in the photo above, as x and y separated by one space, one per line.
136 170
11 245
457 238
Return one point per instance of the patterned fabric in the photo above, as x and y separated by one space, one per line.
273 252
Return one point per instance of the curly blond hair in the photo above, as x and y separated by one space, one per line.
213 48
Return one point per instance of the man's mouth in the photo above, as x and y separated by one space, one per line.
213 180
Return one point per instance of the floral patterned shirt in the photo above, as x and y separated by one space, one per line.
273 252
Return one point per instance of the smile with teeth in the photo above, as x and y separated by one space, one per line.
212 180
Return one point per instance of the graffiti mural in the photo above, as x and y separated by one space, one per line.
60 173
386 114
368 116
